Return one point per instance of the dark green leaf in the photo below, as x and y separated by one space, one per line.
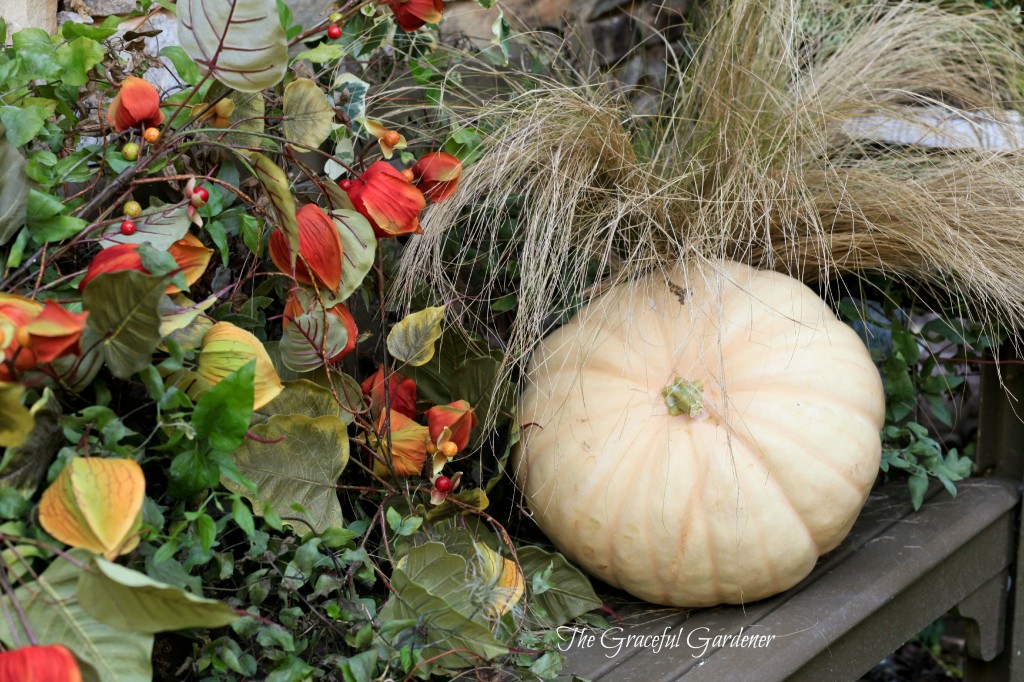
124 318
222 413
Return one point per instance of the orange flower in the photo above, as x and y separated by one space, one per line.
439 175
33 334
413 14
293 308
192 257
387 199
136 105
458 417
55 332
389 140
320 249
402 393
408 446
188 252
113 259
52 663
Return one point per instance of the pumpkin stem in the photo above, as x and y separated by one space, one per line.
683 396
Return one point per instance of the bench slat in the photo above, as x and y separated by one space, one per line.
851 608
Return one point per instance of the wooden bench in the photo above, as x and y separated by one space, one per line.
897 572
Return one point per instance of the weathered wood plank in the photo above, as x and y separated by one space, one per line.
896 572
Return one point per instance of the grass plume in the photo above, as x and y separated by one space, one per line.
751 155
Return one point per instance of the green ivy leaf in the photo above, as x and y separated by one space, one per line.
412 340
77 57
353 95
124 318
186 67
57 228
72 29
134 602
22 123
222 414
35 50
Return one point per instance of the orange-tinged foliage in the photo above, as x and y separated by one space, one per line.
96 504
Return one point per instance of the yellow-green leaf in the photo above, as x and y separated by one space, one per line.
15 419
275 183
412 340
226 348
55 616
247 122
96 504
24 466
308 114
130 600
297 460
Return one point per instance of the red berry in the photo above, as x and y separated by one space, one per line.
346 185
200 195
333 32
127 228
443 484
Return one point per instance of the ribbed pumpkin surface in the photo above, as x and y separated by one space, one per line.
731 506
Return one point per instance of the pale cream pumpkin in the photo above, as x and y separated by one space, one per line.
734 503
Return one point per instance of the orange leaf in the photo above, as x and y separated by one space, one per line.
439 175
96 504
408 446
319 247
55 332
192 257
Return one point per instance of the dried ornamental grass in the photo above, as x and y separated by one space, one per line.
751 157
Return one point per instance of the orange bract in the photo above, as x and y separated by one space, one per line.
457 417
136 105
95 504
402 392
192 257
408 446
319 247
52 663
413 14
387 199
439 174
